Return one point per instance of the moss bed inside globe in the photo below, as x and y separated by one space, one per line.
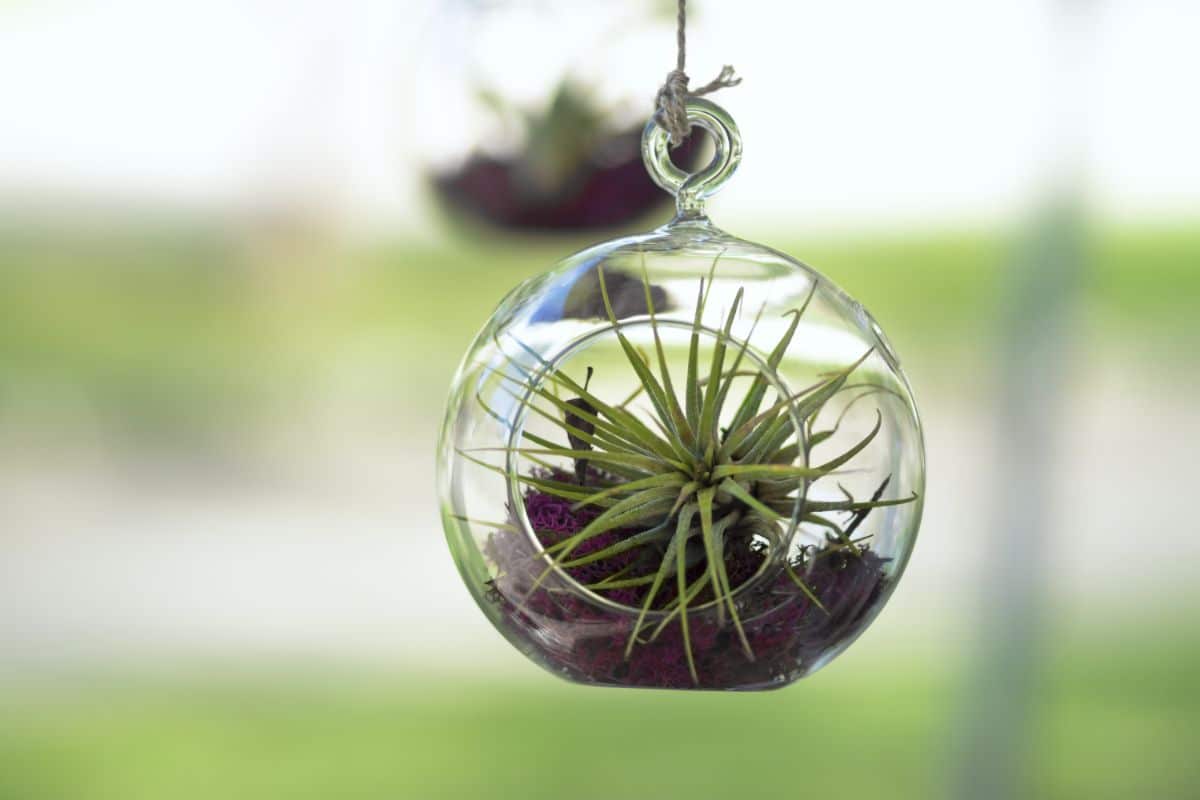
652 543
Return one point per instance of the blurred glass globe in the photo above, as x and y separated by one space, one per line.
535 108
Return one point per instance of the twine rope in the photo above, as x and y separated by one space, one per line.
670 104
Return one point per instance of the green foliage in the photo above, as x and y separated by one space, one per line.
179 331
1112 723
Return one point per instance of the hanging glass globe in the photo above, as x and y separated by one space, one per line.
681 459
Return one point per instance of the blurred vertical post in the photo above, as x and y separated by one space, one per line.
994 733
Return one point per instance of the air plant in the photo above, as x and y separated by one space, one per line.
674 511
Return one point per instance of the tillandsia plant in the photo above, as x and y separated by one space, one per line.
682 510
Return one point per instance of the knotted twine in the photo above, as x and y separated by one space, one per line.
670 104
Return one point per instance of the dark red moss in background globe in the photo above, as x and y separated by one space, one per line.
787 631
607 188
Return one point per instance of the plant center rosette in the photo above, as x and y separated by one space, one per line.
676 514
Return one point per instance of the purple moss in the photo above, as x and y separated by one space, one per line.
601 192
786 631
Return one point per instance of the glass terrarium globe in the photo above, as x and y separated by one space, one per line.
540 107
681 459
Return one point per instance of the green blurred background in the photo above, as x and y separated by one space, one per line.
222 371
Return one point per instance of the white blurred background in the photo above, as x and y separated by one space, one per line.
854 113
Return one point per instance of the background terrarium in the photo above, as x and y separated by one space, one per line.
681 459
545 108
